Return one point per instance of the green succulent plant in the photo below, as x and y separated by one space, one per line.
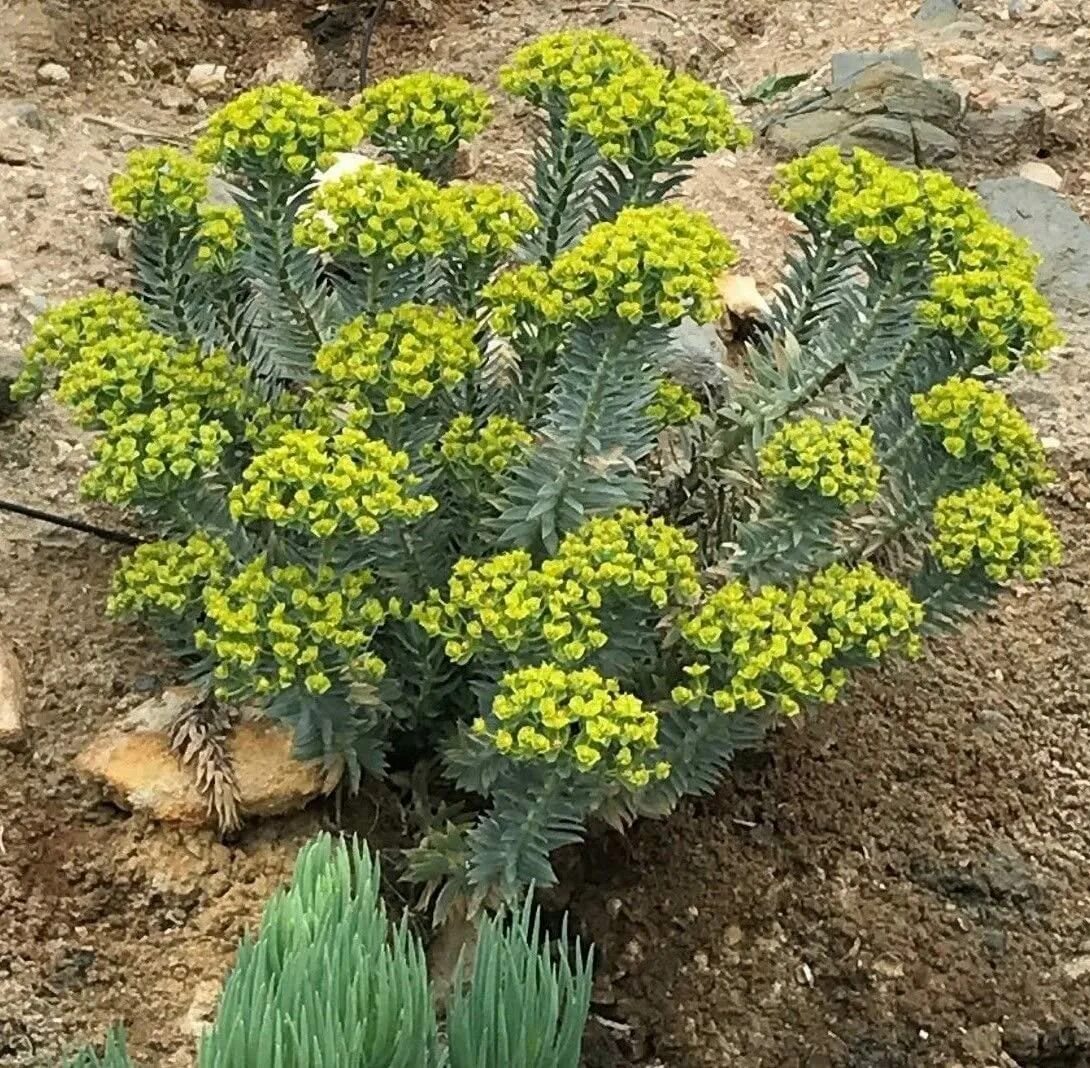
427 482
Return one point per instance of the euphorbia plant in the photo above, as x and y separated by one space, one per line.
406 441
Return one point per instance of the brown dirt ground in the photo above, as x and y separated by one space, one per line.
903 881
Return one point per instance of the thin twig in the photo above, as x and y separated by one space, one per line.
365 41
136 131
70 524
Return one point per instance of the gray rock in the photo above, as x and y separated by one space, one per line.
907 97
885 136
27 113
939 12
1012 131
697 356
1057 232
845 67
1045 54
795 135
934 146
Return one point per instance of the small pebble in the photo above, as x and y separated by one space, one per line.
53 74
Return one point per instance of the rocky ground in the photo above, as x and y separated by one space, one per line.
903 882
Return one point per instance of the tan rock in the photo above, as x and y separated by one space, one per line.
206 79
293 62
137 767
741 296
467 160
12 697
1041 173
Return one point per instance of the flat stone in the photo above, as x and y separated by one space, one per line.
883 135
53 74
294 62
12 697
966 26
907 97
14 150
939 12
8 277
795 135
206 78
1042 173
934 146
1045 54
1011 131
135 764
1056 231
845 67
1054 99
178 99
697 357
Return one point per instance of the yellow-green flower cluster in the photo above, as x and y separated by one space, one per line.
139 370
168 578
373 211
220 235
555 67
389 361
423 115
279 128
835 459
864 196
545 713
654 264
673 405
650 115
786 647
996 319
505 602
272 628
482 222
491 448
159 185
964 237
523 296
152 455
340 484
62 333
1001 531
981 424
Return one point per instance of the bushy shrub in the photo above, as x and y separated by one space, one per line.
328 982
427 481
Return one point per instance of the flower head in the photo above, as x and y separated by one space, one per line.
373 211
489 449
62 333
654 265
579 717
1000 531
674 405
220 236
551 69
151 456
982 426
652 116
342 484
482 222
995 320
159 185
420 118
166 579
278 129
398 358
274 628
836 460
522 298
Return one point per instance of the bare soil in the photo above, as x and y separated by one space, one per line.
902 881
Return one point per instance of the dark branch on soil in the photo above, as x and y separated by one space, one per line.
71 524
